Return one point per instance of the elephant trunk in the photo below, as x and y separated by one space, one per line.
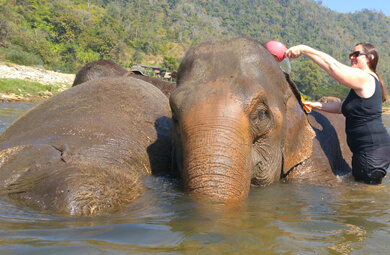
216 162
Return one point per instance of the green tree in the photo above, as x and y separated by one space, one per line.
67 26
309 79
170 63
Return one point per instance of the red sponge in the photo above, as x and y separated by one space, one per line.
277 49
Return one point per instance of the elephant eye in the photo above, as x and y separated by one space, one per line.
259 114
262 114
260 121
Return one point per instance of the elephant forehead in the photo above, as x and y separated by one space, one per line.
212 96
249 87
224 94
218 112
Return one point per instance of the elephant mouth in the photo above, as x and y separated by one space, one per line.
267 167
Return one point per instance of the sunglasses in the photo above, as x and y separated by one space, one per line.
357 54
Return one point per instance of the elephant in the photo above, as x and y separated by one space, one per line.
166 87
329 99
97 69
238 123
108 68
86 150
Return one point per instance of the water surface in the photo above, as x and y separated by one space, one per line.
283 218
10 112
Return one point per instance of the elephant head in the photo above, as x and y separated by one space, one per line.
236 121
107 68
98 69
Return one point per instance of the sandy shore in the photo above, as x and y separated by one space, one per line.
33 74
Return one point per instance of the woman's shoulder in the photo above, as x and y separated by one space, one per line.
374 75
367 89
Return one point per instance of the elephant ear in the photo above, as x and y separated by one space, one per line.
298 142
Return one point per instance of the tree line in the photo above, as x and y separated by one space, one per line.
66 34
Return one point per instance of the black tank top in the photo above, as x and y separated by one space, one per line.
363 125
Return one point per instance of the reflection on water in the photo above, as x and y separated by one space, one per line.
283 218
10 112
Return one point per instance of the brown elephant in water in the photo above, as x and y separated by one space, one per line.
166 87
84 150
98 69
107 68
237 122
329 99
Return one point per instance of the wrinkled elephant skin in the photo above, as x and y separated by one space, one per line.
84 150
237 123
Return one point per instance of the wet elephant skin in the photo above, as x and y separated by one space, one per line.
84 150
237 123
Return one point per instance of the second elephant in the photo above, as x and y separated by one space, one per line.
85 150
107 68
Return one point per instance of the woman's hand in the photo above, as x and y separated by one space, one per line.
332 107
314 105
295 51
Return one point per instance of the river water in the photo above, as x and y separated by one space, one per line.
283 218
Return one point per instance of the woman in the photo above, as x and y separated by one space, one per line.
367 137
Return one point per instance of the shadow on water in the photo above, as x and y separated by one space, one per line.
282 218
160 152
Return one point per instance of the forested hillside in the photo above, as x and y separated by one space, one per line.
66 34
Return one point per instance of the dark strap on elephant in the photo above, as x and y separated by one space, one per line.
294 89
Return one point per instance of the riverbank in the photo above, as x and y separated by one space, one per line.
31 83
